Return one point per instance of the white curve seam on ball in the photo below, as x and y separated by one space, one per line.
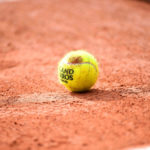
82 64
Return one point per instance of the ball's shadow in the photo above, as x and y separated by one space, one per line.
99 95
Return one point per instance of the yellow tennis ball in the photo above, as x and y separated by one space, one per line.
78 71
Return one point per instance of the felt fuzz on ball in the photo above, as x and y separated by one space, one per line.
78 71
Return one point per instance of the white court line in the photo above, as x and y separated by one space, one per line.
139 148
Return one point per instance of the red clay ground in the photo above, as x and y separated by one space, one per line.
36 112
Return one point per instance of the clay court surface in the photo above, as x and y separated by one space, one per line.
36 112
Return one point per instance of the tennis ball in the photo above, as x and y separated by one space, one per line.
78 71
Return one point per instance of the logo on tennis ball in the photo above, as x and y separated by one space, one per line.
66 74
